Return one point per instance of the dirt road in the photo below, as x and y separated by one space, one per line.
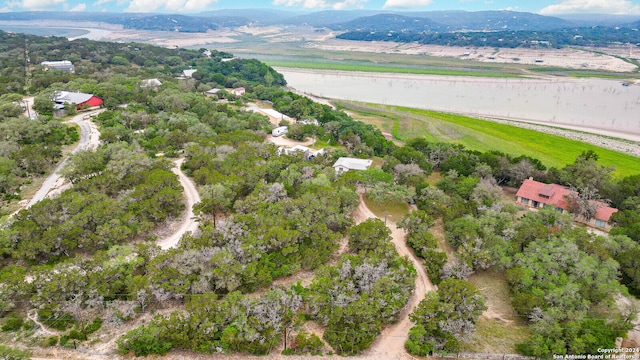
390 345
89 140
188 222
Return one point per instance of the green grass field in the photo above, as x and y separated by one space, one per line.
482 135
358 66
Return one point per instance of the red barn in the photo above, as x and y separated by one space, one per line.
80 99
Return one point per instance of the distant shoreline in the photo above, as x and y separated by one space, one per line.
564 85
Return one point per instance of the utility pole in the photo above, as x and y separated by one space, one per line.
213 209
26 63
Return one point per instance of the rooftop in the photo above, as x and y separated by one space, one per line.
535 190
353 163
189 72
71 97
554 194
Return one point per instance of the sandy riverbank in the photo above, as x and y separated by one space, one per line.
566 58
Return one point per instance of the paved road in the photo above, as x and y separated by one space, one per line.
89 140
188 222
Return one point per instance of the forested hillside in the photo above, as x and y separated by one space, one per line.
279 262
598 36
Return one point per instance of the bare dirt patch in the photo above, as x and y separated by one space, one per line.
438 231
566 58
284 141
174 39
500 327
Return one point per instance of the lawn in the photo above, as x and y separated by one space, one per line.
483 135
394 212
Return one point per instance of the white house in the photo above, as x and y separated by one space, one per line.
238 91
299 149
296 149
345 164
63 65
188 73
279 131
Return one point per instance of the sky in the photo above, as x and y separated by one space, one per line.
544 7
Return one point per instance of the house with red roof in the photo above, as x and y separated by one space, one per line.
535 195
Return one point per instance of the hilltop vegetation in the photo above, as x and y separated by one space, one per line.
86 265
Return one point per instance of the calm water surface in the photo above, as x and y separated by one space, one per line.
604 106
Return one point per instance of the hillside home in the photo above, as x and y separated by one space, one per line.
299 149
345 164
238 91
187 74
537 195
63 65
60 98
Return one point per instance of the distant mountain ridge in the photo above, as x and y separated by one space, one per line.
494 20
343 20
388 22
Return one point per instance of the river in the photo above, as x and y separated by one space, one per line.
593 105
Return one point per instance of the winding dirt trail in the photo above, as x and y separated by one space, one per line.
390 345
89 140
32 315
188 221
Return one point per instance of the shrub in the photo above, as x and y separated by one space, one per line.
143 341
76 335
307 344
52 341
7 353
94 326
55 320
12 324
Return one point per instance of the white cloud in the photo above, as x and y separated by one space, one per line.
406 4
79 7
168 5
592 7
37 4
101 2
321 4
